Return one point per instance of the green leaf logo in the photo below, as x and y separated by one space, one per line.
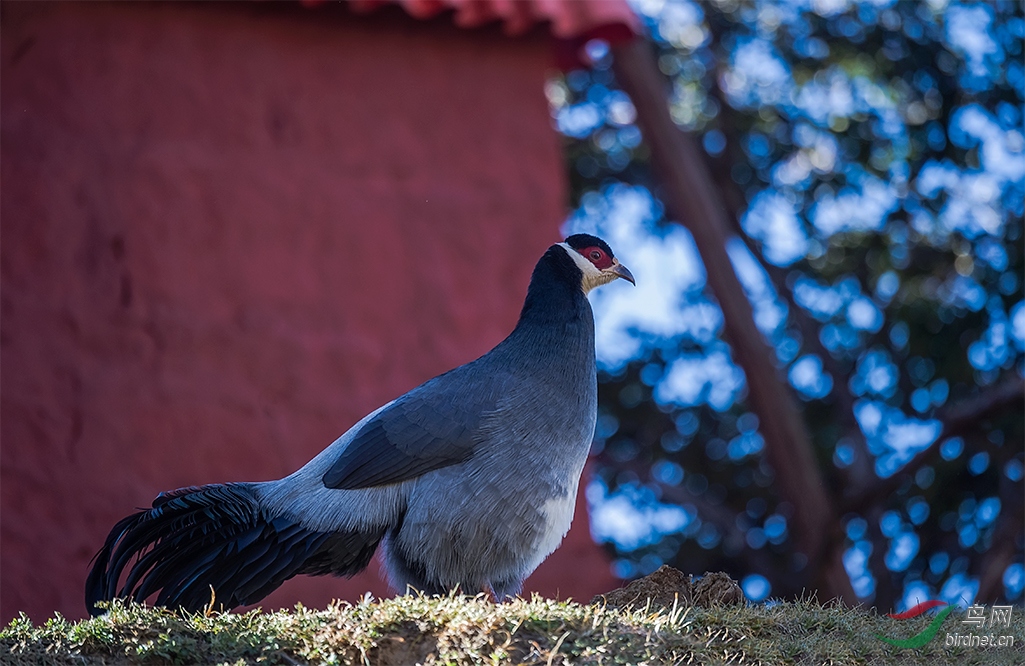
927 634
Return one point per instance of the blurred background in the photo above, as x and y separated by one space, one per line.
868 162
230 230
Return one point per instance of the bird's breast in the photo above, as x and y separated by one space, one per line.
558 512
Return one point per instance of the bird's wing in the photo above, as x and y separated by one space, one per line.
433 426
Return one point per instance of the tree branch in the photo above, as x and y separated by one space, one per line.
956 420
1003 549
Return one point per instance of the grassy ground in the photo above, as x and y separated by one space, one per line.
463 630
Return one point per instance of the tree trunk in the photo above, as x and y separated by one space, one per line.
692 199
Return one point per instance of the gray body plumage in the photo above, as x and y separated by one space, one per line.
469 480
490 520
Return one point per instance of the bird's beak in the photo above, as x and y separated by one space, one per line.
619 270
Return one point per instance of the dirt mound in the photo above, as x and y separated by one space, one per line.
667 585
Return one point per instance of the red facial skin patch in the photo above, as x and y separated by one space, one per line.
596 256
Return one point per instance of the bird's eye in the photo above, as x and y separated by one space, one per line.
597 256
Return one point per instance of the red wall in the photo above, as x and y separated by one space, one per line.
230 231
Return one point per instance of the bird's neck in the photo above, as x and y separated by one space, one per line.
556 311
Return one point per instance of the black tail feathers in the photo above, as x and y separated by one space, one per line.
216 536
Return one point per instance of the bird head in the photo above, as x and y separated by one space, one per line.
594 258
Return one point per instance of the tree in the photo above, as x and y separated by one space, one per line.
854 425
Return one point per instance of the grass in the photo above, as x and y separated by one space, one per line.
472 630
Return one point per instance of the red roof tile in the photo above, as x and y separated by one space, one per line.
568 19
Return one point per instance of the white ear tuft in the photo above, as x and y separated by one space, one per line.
592 276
